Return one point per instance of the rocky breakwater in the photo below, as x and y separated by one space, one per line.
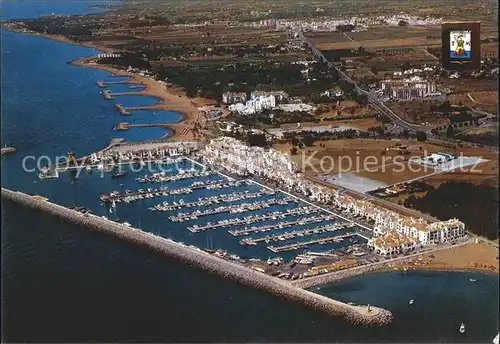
201 259
343 274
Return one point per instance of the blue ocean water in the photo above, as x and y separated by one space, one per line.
65 284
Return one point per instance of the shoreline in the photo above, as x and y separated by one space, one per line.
444 260
171 99
356 314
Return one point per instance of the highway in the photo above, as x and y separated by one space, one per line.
372 100
378 105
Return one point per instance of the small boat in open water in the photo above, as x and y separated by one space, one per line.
496 339
462 328
118 175
411 302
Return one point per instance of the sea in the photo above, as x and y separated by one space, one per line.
65 284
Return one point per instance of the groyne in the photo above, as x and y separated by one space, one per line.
371 316
107 95
121 109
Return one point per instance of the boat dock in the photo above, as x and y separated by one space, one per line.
121 109
209 262
107 95
162 177
268 228
204 201
252 219
151 193
303 244
291 235
232 209
116 82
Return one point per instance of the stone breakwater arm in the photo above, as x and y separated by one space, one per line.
206 261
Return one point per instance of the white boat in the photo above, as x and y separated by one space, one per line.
472 280
462 328
411 302
88 168
496 339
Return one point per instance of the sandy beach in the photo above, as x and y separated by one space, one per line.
473 257
172 99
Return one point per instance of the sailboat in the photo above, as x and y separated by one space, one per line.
462 328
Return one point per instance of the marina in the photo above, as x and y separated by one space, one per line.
252 277
252 219
162 177
292 235
234 209
280 225
141 194
205 201
299 245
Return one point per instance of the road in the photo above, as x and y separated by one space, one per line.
378 105
373 101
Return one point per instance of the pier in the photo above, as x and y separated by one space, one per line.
299 245
123 126
150 193
204 201
253 219
128 81
107 95
162 177
268 228
122 110
291 235
370 316
232 209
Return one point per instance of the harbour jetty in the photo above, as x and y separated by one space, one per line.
6 150
367 315
121 109
107 95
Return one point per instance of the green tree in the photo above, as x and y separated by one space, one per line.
450 132
421 136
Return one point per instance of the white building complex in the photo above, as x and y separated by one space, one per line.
255 105
234 97
414 87
394 232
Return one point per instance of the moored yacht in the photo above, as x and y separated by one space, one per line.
462 328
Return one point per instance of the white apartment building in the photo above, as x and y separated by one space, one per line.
255 105
414 87
234 97
279 96
393 243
